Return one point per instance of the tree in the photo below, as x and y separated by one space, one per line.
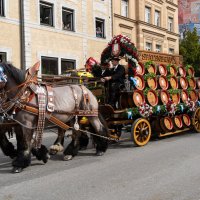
190 50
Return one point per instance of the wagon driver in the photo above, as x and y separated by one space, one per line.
116 81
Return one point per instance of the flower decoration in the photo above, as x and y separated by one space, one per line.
191 105
171 107
127 48
145 110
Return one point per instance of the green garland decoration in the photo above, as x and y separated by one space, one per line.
148 64
149 75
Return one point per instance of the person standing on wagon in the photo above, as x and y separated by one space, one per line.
116 81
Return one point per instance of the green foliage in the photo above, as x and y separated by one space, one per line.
149 75
190 50
174 91
148 64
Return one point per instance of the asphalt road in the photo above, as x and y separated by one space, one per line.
165 169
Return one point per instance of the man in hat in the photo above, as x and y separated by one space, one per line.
116 81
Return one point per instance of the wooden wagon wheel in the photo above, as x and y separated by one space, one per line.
141 132
196 120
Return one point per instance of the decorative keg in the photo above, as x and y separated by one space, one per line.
152 97
183 83
164 96
140 84
162 69
193 95
182 71
186 120
166 124
138 98
173 82
184 95
191 82
163 82
140 69
177 122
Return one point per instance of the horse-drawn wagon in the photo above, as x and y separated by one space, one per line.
155 101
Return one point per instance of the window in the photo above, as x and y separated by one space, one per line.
49 65
171 51
148 46
124 8
100 28
68 19
46 13
67 65
3 57
147 14
170 24
157 18
158 48
1 7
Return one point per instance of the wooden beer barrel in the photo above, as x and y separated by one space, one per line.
151 69
166 124
173 82
192 82
126 100
140 69
183 83
186 120
173 70
164 96
175 98
182 71
193 95
190 70
162 69
184 95
140 82
138 98
152 82
152 97
198 82
163 82
177 122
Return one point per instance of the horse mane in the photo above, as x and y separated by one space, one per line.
17 74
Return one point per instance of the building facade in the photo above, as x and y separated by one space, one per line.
151 24
62 34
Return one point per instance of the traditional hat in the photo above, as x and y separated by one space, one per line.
115 58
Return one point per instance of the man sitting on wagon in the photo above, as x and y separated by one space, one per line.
116 81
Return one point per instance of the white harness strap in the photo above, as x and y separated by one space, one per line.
41 94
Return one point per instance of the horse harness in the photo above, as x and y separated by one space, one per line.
45 108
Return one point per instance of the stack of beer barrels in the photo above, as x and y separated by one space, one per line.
161 84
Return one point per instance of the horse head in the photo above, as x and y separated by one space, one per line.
10 78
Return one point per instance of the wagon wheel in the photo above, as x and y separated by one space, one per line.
196 120
141 132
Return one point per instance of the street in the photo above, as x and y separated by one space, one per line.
164 169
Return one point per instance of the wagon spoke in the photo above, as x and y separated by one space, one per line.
145 128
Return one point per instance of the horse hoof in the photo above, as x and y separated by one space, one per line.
46 158
99 153
67 157
54 149
17 170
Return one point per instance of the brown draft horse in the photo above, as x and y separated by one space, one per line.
11 82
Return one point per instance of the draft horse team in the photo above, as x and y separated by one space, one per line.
22 97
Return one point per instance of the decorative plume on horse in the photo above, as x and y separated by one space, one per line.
34 105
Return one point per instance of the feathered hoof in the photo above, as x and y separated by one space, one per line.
16 170
67 157
54 149
46 158
99 153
